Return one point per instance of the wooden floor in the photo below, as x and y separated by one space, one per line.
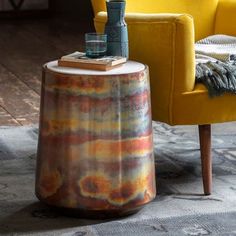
25 45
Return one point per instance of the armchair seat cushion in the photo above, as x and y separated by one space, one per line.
196 107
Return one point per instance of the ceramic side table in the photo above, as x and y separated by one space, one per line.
95 150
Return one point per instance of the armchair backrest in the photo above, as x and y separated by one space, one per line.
203 11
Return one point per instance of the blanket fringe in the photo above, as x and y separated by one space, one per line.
219 77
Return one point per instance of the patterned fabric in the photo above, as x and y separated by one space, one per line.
218 47
216 63
178 209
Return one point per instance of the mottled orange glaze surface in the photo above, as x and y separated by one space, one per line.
95 147
50 182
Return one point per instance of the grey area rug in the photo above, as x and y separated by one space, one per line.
179 208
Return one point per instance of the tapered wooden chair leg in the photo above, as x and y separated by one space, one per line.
205 146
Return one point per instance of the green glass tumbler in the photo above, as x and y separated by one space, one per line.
96 45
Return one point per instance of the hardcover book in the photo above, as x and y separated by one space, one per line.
79 60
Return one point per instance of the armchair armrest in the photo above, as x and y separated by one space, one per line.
165 42
226 17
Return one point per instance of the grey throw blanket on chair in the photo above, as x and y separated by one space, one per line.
216 64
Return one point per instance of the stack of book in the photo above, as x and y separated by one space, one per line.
79 60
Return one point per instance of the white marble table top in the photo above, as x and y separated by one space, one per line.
127 68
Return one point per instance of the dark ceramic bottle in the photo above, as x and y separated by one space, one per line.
116 29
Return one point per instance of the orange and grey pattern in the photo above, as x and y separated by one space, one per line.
95 147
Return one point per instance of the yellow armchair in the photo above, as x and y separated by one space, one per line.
162 35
